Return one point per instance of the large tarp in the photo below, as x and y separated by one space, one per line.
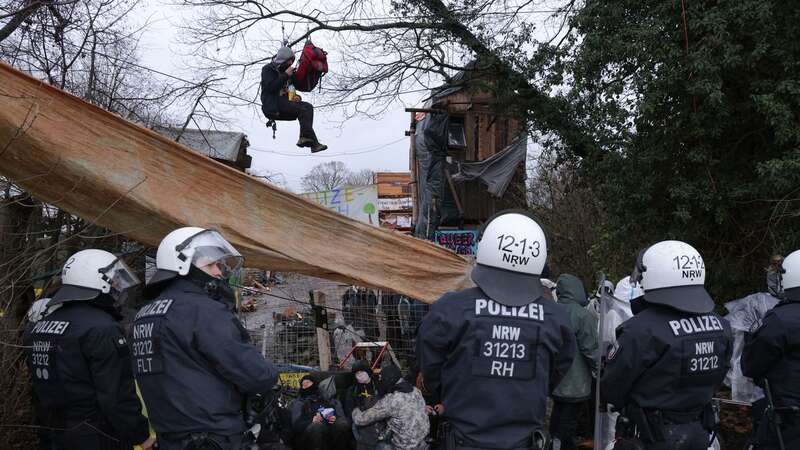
496 171
133 181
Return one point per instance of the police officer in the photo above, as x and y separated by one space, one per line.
672 355
80 360
773 353
494 352
193 360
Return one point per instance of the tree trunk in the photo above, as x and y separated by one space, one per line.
19 18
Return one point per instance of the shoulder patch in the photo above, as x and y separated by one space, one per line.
121 345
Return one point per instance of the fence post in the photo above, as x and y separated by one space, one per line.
321 324
264 340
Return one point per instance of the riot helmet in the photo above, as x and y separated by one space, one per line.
790 276
39 309
90 273
627 291
194 246
510 259
672 273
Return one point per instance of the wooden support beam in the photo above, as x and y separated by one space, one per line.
321 323
426 110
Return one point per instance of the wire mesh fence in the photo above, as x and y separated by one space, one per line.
285 316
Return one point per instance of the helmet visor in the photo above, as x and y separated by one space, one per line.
120 276
211 248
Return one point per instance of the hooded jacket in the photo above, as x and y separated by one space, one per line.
360 395
402 406
577 383
305 407
274 80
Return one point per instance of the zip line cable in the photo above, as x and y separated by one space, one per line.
334 155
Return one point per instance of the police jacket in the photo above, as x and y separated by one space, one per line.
667 360
194 362
80 364
773 352
494 365
273 82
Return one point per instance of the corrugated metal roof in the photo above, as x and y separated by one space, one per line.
223 145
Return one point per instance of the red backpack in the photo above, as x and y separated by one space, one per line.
313 65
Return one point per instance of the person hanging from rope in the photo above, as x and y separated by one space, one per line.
279 100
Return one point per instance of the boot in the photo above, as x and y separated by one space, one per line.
317 147
305 142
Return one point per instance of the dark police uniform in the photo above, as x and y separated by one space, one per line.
494 365
195 364
664 370
80 364
773 352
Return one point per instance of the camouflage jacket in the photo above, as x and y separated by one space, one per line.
405 414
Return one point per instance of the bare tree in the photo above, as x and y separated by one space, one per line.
389 48
565 203
363 177
18 13
88 48
325 177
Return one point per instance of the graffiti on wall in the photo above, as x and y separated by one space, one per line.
357 202
463 242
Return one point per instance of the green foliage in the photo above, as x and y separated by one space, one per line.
696 126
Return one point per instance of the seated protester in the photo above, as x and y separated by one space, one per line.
310 429
402 404
275 102
364 388
363 394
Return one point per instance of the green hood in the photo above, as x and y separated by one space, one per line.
577 383
569 289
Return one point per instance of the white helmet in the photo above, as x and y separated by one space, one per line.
511 256
627 291
673 273
39 309
89 273
790 273
188 246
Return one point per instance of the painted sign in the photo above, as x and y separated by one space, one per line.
357 202
290 380
463 242
394 220
394 204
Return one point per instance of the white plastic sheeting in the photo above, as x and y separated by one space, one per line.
745 315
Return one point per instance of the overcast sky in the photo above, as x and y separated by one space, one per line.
380 144
361 143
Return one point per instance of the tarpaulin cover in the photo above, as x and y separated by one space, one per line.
745 316
133 181
496 171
